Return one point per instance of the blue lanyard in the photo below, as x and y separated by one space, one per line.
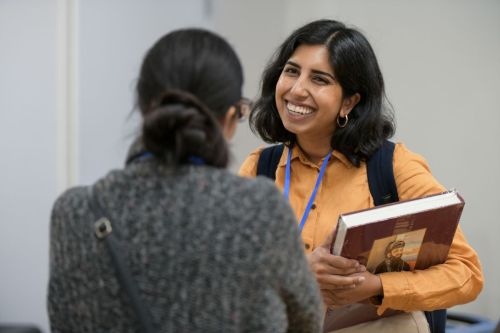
143 156
313 195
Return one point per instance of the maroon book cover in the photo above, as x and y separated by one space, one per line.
401 240
405 235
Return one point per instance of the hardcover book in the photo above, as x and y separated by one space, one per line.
400 236
405 235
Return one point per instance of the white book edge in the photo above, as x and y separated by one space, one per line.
391 211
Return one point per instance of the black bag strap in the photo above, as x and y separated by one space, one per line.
104 232
381 175
269 160
384 190
436 320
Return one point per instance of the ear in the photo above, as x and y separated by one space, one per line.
229 123
349 103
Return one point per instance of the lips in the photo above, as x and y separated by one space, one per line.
299 110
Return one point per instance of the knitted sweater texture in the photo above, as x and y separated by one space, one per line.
208 250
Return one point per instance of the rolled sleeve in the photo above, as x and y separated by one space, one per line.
457 281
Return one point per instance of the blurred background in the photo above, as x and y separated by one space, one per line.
68 70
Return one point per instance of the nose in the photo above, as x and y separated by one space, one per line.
299 88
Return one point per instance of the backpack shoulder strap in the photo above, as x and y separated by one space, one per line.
381 175
269 160
383 190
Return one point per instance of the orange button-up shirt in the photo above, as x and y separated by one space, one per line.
344 188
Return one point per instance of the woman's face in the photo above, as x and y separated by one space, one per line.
308 97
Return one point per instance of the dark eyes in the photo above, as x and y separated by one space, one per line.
294 71
291 70
320 79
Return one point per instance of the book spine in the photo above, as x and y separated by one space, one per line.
339 239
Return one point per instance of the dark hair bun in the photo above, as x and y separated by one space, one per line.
179 126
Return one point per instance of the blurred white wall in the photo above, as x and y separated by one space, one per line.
66 97
28 146
113 37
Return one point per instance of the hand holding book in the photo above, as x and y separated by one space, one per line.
334 272
407 235
369 287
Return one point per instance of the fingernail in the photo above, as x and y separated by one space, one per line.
361 279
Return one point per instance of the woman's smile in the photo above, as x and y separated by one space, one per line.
295 110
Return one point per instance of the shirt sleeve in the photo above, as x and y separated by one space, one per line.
457 281
249 166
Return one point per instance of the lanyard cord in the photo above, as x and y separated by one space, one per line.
286 191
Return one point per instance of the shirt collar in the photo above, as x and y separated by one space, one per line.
297 153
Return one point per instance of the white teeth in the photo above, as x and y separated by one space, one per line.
303 110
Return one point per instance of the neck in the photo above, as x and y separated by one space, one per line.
314 149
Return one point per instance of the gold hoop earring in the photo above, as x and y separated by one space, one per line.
344 121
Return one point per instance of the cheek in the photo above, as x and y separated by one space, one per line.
282 86
330 98
279 91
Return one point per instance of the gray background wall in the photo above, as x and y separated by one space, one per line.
67 71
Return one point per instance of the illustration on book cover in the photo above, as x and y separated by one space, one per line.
395 253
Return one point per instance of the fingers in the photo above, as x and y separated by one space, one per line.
369 286
341 265
338 282
322 262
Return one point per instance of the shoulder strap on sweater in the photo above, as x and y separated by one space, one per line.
268 161
381 175
104 232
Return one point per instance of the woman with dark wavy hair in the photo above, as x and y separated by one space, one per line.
322 96
204 250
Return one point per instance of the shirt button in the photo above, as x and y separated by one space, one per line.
307 246
313 206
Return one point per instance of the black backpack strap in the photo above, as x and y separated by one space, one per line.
104 232
436 320
383 190
381 175
268 161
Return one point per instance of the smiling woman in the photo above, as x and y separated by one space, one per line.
309 99
323 98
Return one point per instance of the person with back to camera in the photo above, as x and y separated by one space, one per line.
322 95
205 251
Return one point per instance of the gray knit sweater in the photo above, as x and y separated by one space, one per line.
209 251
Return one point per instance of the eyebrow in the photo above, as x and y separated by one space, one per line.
315 71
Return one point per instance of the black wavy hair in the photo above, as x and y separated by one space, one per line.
187 82
356 70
